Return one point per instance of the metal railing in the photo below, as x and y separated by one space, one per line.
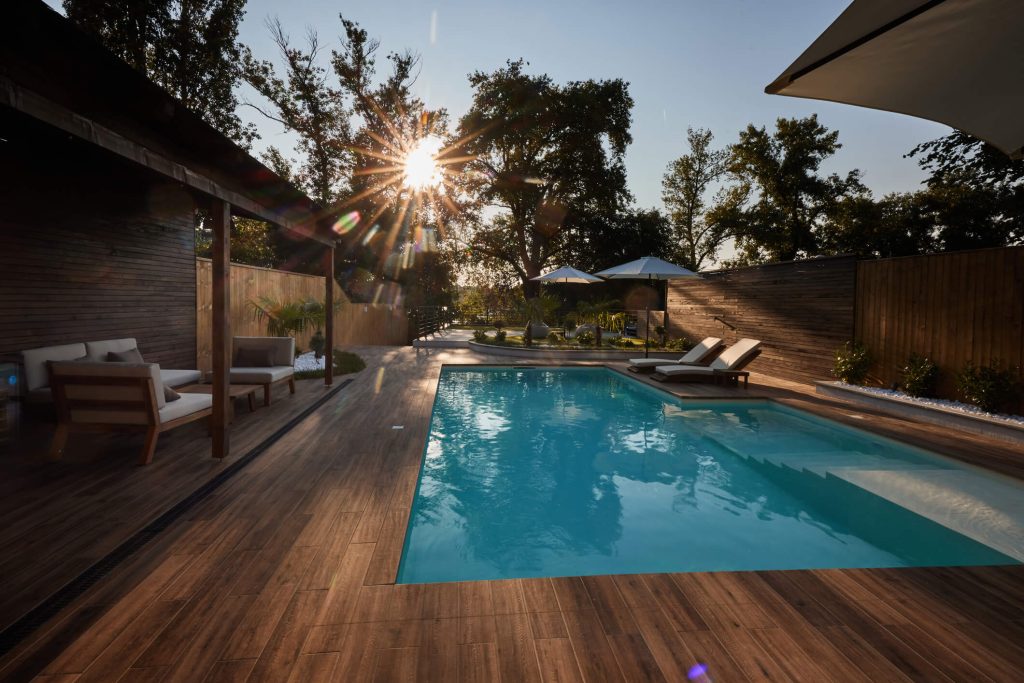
427 320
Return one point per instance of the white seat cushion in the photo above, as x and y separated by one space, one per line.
261 375
650 362
179 378
684 370
186 405
98 350
34 361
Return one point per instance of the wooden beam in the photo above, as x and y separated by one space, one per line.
329 322
221 213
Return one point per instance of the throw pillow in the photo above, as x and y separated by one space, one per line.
170 394
129 356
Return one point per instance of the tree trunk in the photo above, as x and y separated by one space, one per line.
531 289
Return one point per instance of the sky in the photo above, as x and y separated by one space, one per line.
699 63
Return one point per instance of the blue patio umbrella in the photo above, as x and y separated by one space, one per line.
647 268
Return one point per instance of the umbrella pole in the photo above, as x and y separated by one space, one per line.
647 324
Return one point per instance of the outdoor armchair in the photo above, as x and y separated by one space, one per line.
266 361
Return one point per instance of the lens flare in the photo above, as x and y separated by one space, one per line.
371 234
346 223
698 672
420 167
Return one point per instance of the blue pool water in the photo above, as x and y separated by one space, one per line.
579 471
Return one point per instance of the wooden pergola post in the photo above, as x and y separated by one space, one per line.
329 320
221 214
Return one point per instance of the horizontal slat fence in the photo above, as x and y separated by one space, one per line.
955 307
365 324
801 310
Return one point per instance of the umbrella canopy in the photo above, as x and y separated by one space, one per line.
567 274
958 62
647 268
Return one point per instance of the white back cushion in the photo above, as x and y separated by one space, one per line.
734 354
98 350
700 350
283 348
36 374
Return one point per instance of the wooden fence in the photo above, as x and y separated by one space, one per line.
801 310
354 323
954 308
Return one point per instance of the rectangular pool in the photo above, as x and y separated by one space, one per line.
534 472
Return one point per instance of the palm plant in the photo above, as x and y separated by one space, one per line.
287 318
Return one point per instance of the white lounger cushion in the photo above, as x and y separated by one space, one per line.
186 405
179 378
684 370
730 358
34 360
694 355
261 375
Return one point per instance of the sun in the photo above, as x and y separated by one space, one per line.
421 170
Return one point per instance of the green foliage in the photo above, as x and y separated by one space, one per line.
990 387
500 335
545 154
555 338
684 190
919 376
287 318
190 49
852 363
252 242
785 199
479 336
682 344
585 338
498 324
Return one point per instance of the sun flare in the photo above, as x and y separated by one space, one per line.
420 166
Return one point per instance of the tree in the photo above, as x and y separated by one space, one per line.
304 104
783 200
252 242
543 157
684 190
188 47
976 191
900 224
602 241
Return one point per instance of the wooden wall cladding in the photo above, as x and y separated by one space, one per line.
801 310
354 324
93 248
956 307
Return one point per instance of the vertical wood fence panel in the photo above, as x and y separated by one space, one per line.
954 308
354 324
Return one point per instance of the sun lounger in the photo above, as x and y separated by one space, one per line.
698 355
729 364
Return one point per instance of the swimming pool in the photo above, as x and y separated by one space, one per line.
578 471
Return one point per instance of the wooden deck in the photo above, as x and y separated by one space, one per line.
286 573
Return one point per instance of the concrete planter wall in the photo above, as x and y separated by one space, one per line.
977 424
568 354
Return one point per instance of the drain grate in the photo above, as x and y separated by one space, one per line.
51 606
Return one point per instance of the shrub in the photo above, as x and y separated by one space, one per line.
554 338
919 376
989 386
585 338
682 344
498 324
499 336
622 342
479 336
852 363
346 362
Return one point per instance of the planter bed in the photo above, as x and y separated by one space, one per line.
906 406
550 353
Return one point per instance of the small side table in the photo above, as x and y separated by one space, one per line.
733 376
235 391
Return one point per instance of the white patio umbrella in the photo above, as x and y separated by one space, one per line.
957 62
647 268
567 274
